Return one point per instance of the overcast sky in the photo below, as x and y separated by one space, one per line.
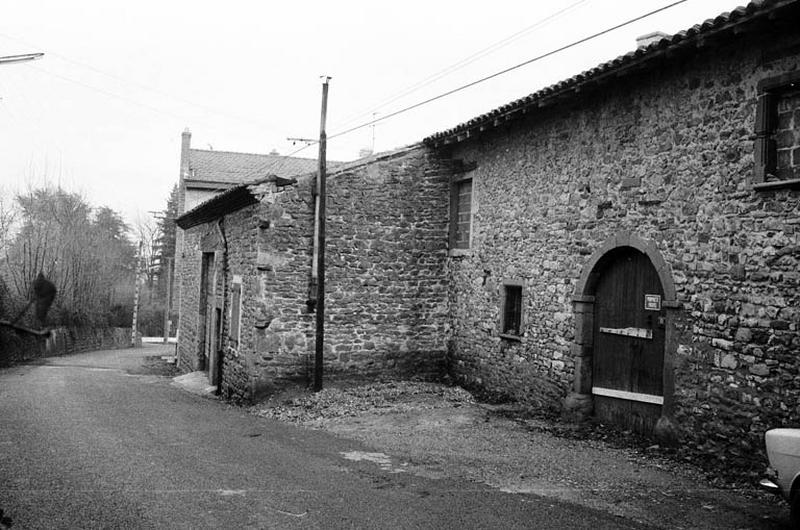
102 112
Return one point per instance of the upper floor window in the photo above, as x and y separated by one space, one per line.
777 145
461 214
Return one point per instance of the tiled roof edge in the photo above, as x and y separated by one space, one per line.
712 26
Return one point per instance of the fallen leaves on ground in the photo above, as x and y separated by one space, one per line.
381 397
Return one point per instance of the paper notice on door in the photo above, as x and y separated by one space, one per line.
652 302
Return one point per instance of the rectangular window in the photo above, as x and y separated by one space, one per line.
511 315
236 313
461 214
777 128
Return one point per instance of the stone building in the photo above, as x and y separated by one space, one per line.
247 308
622 244
205 173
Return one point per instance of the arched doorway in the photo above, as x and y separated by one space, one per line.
628 367
625 312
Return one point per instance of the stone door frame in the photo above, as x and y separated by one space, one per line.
579 403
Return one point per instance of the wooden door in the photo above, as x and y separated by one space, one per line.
205 310
628 366
215 347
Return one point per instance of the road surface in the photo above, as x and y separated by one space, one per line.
94 441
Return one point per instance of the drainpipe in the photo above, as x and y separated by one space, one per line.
224 271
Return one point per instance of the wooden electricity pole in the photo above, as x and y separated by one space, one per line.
134 324
320 265
168 301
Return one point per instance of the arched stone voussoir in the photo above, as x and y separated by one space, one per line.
647 247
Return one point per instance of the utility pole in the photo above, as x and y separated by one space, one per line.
168 303
320 306
136 296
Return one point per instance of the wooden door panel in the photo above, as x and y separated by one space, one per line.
628 342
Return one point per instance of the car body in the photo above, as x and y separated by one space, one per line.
783 452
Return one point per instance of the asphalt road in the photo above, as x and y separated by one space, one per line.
90 441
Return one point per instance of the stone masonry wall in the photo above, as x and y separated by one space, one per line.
668 156
385 271
277 328
386 289
235 256
16 348
187 278
387 249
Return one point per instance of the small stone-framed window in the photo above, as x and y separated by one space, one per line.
235 333
511 317
460 215
777 130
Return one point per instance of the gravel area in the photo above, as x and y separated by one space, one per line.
436 430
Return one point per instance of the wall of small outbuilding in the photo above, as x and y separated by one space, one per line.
386 282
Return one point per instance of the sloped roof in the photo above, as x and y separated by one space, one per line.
237 168
637 60
235 198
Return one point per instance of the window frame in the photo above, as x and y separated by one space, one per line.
455 186
514 283
765 153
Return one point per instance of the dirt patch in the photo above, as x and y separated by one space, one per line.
346 399
437 430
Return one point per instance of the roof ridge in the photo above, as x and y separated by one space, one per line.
249 154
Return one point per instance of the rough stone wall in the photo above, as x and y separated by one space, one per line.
237 260
16 347
276 323
386 297
187 277
668 156
385 272
387 247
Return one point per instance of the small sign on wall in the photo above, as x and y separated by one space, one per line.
652 302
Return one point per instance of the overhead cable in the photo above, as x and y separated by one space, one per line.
506 70
463 62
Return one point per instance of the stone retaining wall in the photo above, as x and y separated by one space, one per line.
16 347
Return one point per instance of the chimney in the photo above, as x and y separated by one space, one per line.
186 141
648 39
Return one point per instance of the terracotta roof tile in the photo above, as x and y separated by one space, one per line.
238 168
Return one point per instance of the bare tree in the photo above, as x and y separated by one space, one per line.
8 217
84 252
148 232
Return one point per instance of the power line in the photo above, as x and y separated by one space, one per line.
107 93
139 85
507 70
464 62
492 76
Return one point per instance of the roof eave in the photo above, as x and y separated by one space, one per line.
218 206
635 61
